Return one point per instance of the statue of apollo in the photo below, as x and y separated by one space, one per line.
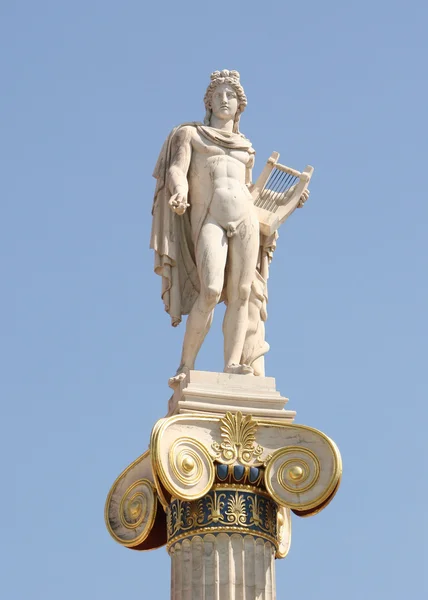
206 233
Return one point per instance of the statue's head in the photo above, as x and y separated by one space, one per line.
225 97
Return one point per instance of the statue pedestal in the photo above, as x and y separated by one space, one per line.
223 473
217 393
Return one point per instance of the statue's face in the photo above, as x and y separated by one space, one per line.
224 102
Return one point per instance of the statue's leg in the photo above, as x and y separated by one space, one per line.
242 262
211 255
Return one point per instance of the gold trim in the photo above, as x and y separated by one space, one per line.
278 529
154 460
321 507
221 487
160 492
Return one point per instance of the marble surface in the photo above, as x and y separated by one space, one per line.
208 392
226 567
206 232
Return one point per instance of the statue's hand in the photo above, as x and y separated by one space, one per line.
178 203
303 198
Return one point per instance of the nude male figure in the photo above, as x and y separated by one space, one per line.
212 181
206 234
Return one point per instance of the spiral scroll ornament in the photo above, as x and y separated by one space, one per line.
134 505
191 469
130 519
295 479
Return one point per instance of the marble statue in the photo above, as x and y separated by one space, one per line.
206 234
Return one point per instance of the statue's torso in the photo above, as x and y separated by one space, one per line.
217 179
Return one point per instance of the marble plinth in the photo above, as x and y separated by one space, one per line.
217 393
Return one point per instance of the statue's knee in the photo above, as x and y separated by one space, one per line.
244 292
211 296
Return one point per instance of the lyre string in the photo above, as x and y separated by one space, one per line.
271 186
278 183
280 186
266 192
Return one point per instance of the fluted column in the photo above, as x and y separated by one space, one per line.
223 567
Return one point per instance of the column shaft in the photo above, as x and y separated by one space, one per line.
223 567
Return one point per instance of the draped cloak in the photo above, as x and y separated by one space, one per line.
173 244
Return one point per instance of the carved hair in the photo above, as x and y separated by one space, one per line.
231 78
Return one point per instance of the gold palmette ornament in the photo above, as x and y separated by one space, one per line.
239 439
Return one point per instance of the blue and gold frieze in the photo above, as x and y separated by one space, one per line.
230 508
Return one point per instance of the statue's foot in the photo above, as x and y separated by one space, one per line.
239 369
181 374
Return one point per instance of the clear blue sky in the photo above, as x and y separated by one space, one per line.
90 89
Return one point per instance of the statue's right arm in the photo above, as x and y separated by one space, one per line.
180 161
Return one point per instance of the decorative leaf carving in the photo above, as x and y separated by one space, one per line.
239 439
236 510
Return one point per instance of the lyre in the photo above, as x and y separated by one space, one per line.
277 193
